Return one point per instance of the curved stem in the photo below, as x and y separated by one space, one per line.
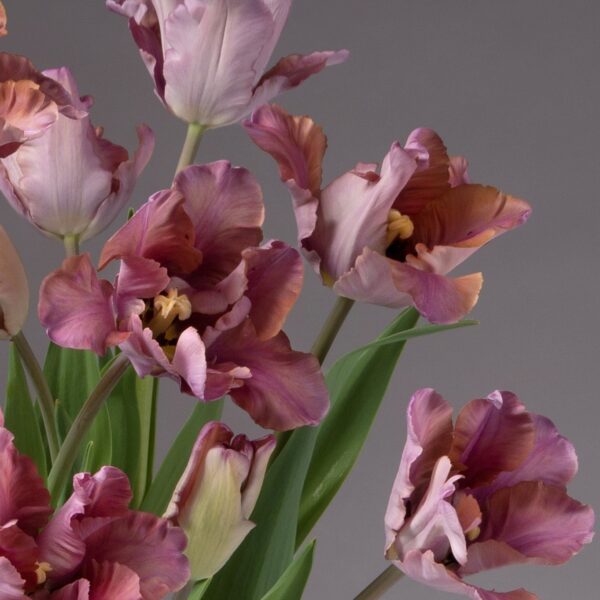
71 243
190 146
61 468
331 327
381 584
44 395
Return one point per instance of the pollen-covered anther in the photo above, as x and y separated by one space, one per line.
399 226
41 572
473 534
167 309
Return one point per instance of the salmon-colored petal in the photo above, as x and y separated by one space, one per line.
113 581
14 289
3 30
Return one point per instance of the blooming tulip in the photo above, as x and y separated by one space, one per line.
388 238
30 102
487 492
196 299
216 495
93 546
208 58
71 182
14 291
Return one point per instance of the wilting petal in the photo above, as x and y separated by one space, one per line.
423 568
275 274
11 583
23 497
76 307
286 390
160 230
353 212
226 207
381 280
113 581
290 72
539 521
145 544
14 290
490 436
213 48
553 460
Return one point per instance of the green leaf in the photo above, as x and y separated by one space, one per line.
199 589
293 581
19 414
173 466
357 384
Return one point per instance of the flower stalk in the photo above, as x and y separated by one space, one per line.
61 468
44 395
71 244
381 584
331 328
193 137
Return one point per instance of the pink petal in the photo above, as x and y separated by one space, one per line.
11 583
226 207
275 274
113 581
211 57
160 230
189 362
3 30
78 590
290 72
539 521
279 12
22 552
387 282
146 545
490 436
75 307
23 495
286 390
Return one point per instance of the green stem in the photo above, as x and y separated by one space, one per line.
381 584
44 395
71 243
190 146
331 327
61 468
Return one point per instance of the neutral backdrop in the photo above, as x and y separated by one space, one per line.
513 86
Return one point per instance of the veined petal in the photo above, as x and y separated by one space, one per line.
76 307
113 581
78 590
14 289
226 207
279 12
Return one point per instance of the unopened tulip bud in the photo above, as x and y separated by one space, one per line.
14 291
217 493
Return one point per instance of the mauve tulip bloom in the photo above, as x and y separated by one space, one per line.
389 238
216 495
14 291
196 299
30 102
487 492
208 58
93 548
71 181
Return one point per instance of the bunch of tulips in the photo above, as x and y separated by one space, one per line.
199 297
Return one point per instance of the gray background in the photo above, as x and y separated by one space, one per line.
513 86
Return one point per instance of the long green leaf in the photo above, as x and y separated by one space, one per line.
172 467
269 548
293 581
357 384
19 414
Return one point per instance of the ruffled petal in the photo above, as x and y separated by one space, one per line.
492 435
160 230
22 552
11 583
225 204
286 389
76 307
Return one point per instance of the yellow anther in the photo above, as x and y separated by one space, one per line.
399 226
167 309
473 534
41 572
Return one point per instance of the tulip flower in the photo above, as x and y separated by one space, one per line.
3 30
216 495
92 547
486 492
30 102
14 291
71 182
388 238
208 59
196 299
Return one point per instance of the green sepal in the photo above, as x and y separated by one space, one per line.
20 417
291 584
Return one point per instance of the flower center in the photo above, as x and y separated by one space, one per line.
473 534
399 226
166 310
41 572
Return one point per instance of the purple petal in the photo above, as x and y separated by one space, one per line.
78 590
22 552
279 12
11 583
76 309
189 362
